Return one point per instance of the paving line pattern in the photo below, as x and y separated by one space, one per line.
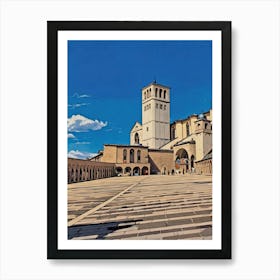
96 208
159 207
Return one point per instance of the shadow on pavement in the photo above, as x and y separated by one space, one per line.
101 230
206 182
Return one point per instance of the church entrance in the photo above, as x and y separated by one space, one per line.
182 161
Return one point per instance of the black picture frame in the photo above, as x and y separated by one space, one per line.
52 193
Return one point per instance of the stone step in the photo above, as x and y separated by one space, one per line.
152 214
161 207
145 203
195 233
91 220
141 232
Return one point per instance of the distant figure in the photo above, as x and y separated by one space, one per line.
192 169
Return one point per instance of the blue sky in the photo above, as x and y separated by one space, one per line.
105 80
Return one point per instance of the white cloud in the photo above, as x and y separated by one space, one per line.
80 95
70 135
77 105
80 155
79 123
82 143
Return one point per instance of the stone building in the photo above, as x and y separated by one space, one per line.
136 159
128 159
156 146
155 129
189 139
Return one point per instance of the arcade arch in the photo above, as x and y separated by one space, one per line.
136 171
182 160
145 170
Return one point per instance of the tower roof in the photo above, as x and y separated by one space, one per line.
155 83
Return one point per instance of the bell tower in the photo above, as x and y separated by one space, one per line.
155 115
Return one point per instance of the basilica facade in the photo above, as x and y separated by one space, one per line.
160 147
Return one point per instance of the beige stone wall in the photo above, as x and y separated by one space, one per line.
192 121
169 145
161 161
115 154
85 170
179 130
204 167
181 126
109 154
143 154
203 144
203 126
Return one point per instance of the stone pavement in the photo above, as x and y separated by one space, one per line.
141 207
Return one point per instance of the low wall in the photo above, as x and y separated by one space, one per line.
204 167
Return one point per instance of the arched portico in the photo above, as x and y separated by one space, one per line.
145 170
81 170
182 160
119 170
136 171
127 170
